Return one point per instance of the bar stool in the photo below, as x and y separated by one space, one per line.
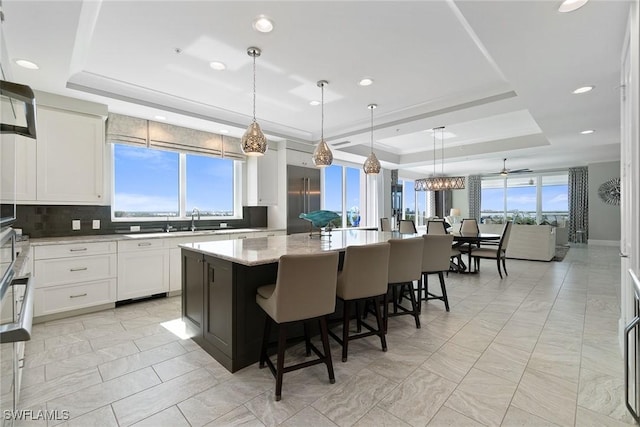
435 260
405 266
363 277
305 289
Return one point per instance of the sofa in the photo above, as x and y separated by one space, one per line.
533 242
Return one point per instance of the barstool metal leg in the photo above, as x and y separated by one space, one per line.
381 327
345 329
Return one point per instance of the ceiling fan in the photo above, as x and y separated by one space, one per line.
505 171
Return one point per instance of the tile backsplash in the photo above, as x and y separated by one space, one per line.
56 220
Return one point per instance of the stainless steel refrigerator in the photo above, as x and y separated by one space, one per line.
303 195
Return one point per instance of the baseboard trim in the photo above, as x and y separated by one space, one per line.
604 242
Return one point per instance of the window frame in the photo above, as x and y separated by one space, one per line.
539 183
183 215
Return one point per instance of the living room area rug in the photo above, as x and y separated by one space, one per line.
561 252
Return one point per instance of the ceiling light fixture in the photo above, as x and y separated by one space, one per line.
435 182
263 24
27 64
371 165
367 81
224 131
583 89
314 103
159 117
571 5
587 132
217 65
253 142
322 156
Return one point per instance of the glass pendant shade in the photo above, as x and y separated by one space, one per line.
371 165
322 155
253 142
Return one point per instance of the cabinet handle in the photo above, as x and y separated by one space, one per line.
78 296
78 269
144 244
77 249
21 363
242 237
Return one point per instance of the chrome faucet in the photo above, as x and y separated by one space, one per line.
193 223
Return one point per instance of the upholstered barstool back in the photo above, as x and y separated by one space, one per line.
407 226
405 266
305 288
363 277
436 256
405 259
364 272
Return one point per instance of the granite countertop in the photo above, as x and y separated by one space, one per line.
139 235
267 250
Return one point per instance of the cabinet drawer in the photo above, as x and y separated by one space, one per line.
51 272
140 245
71 297
73 250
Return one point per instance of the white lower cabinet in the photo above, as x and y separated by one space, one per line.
74 276
143 268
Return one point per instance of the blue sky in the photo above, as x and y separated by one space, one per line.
148 180
333 188
554 198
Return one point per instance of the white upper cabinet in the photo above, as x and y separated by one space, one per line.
262 176
70 157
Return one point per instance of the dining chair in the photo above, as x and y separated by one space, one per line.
407 226
405 267
385 224
363 277
469 225
435 260
499 253
436 227
305 289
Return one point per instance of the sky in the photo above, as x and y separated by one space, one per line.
148 180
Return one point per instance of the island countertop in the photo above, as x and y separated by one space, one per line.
267 250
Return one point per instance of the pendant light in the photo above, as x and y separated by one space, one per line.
371 165
437 183
322 156
253 142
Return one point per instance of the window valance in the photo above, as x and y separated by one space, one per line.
123 129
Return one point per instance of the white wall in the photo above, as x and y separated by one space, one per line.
604 219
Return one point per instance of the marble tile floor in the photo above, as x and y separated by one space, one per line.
538 348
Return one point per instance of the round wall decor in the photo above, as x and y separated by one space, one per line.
609 191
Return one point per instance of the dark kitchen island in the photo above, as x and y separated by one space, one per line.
219 282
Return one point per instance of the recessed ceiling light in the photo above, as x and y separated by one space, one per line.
27 64
224 131
263 24
367 81
571 5
587 132
217 65
583 89
158 117
314 103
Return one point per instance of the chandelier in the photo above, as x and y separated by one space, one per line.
322 155
437 183
371 165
